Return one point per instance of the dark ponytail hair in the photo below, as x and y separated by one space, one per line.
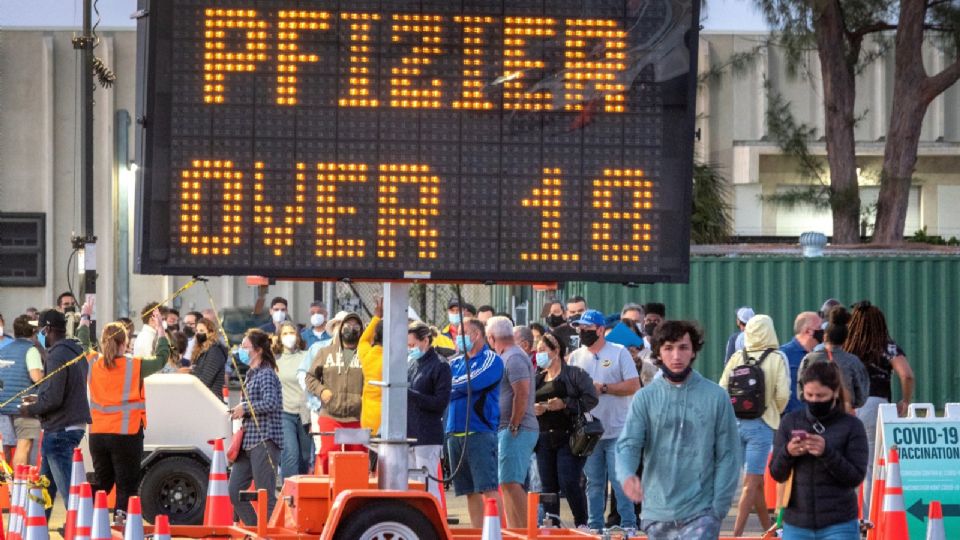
421 331
836 332
261 340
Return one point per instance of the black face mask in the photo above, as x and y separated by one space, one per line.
588 338
575 317
649 328
201 338
555 320
818 335
676 377
820 409
189 332
350 335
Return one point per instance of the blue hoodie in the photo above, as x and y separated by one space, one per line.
690 445
486 370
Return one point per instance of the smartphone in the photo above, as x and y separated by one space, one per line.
798 433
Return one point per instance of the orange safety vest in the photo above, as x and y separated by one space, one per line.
116 397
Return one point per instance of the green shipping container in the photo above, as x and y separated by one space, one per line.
919 295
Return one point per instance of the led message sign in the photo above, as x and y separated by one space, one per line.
489 140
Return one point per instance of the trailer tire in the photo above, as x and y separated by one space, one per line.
176 486
385 520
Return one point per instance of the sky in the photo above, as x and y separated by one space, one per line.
721 15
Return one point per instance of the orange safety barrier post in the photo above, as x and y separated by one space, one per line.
533 504
894 517
876 499
769 486
443 492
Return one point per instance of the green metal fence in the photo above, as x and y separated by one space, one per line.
920 296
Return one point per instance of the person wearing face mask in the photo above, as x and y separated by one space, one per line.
278 314
557 324
261 411
616 379
118 412
684 428
756 428
826 452
318 321
856 380
297 444
808 335
335 377
61 401
190 331
428 396
209 357
653 314
562 391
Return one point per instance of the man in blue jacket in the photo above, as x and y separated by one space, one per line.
477 476
684 426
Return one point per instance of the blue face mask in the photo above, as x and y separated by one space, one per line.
543 359
464 343
454 318
414 354
42 339
243 355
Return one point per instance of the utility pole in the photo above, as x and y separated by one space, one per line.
84 45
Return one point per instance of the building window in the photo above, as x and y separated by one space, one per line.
22 249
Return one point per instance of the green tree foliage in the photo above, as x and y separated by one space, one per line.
710 221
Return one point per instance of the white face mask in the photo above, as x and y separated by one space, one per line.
279 316
317 319
289 341
164 325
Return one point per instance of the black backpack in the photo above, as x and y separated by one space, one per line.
747 387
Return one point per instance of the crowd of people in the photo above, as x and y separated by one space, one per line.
605 412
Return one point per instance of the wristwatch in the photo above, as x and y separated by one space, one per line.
514 428
603 389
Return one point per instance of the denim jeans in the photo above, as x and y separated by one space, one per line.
560 472
848 530
599 469
297 446
57 452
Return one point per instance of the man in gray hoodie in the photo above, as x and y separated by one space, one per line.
683 425
336 378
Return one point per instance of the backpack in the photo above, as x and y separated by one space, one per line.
746 386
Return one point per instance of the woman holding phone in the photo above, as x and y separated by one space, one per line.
825 451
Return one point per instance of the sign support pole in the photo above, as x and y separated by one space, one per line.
84 44
393 464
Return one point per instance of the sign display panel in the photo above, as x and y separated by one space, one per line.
470 140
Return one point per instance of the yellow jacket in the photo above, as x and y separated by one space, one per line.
371 362
760 335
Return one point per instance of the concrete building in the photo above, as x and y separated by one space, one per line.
39 165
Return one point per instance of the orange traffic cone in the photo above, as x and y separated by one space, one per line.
36 528
100 528
161 529
84 513
894 516
491 521
77 477
13 530
219 509
935 529
133 529
876 499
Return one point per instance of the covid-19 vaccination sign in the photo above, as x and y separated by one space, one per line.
929 449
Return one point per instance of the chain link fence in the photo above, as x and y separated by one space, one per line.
427 299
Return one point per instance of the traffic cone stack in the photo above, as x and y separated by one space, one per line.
133 529
219 509
935 529
161 529
77 476
84 513
491 521
36 523
894 517
100 528
876 499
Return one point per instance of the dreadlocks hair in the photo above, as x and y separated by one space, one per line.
867 336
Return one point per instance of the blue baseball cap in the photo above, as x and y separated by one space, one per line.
590 317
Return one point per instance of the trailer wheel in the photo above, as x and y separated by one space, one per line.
176 486
385 521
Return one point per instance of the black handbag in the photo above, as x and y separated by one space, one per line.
587 430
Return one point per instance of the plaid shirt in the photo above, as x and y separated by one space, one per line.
266 398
